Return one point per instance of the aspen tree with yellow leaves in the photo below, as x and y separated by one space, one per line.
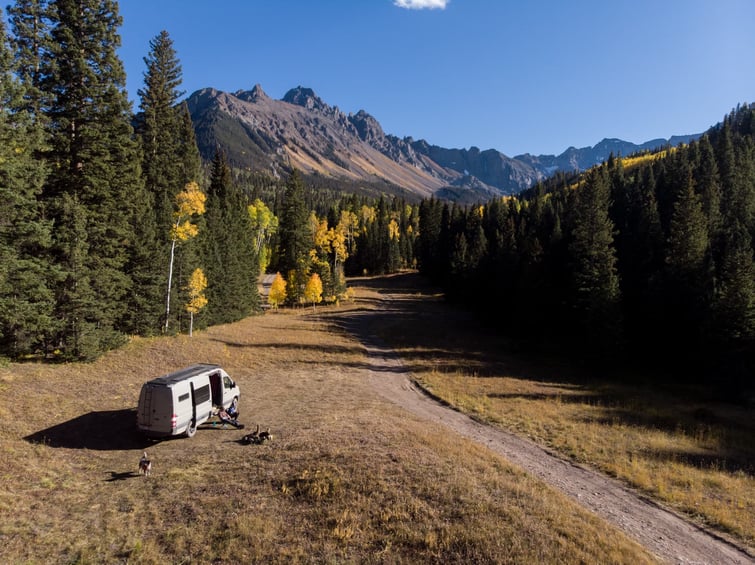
197 299
189 202
277 293
313 290
264 226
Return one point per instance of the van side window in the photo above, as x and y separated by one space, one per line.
227 383
202 394
183 397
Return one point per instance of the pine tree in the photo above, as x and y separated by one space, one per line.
30 24
709 186
688 271
641 263
735 292
188 152
429 237
595 284
294 236
160 130
190 170
26 276
95 182
159 127
734 164
228 249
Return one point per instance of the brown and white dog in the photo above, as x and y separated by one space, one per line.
145 465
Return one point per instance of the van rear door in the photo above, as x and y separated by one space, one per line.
155 411
144 409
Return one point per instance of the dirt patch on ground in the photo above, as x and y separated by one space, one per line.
660 530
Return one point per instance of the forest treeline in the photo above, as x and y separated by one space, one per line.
110 223
110 227
646 259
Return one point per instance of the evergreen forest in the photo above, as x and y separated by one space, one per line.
111 225
645 260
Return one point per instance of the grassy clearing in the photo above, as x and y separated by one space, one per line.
347 477
676 444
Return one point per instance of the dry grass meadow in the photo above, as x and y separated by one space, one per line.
348 477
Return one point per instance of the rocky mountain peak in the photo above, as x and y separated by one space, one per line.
306 98
256 94
368 128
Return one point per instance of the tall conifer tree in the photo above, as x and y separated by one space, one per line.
595 284
26 298
734 302
688 280
188 152
30 24
170 161
709 186
159 127
95 176
295 239
231 264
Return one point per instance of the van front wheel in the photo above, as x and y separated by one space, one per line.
192 429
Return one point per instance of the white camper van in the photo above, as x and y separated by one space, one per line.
178 402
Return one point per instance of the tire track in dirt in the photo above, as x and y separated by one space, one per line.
664 533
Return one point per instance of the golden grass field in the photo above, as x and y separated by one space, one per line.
348 477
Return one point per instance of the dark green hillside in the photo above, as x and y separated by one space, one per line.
642 259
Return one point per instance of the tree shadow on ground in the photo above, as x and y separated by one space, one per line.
402 283
721 460
428 334
109 430
325 349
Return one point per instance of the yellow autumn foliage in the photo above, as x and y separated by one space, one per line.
337 238
277 294
393 230
313 290
190 201
184 231
319 233
197 285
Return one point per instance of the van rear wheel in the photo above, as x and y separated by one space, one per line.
192 429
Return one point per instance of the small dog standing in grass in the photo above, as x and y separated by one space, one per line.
145 465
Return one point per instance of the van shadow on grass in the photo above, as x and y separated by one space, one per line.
108 430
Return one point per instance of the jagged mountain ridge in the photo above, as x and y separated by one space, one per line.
302 131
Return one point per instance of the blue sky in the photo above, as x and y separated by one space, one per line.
524 76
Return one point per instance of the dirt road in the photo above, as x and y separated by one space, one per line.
669 536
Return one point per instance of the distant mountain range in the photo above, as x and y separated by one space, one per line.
259 133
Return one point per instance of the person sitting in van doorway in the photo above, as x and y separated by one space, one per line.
233 409
226 418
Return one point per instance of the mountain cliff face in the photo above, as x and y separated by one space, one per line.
302 131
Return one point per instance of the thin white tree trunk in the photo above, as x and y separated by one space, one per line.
170 283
